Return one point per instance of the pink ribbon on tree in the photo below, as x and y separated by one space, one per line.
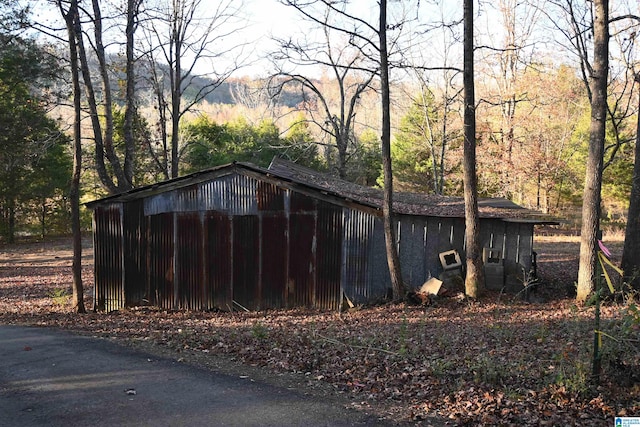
604 249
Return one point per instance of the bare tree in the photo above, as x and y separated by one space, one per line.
372 40
507 60
593 180
100 105
180 36
132 14
431 63
588 36
474 281
437 129
72 20
350 78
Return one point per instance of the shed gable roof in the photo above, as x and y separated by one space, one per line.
321 184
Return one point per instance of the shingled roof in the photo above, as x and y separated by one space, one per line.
407 203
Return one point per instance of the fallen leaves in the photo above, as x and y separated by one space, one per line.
497 362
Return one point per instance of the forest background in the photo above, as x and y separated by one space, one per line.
210 85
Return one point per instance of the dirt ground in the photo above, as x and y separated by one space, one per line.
498 361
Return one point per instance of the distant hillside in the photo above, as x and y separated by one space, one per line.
222 94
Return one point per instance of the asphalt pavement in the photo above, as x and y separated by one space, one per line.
54 378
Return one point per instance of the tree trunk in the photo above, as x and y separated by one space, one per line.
474 281
72 20
107 102
11 230
630 258
593 179
393 260
175 74
100 165
43 218
130 104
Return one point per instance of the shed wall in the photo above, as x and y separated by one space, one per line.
422 239
238 242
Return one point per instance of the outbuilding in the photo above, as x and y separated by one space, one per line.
243 237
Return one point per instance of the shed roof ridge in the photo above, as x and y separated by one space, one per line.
404 203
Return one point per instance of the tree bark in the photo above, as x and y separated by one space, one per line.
593 179
630 257
175 77
72 20
130 101
393 258
474 281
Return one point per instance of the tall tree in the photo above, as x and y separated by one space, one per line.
595 160
630 258
393 258
130 112
587 31
181 36
100 103
372 40
474 281
347 76
95 33
71 17
506 62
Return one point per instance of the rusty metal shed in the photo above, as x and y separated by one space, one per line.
243 237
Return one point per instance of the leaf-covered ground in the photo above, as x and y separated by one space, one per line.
497 361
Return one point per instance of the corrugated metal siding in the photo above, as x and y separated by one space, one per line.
160 260
246 266
189 267
358 243
329 256
273 249
300 203
213 195
218 261
232 194
241 195
135 253
302 259
270 197
108 258
187 199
